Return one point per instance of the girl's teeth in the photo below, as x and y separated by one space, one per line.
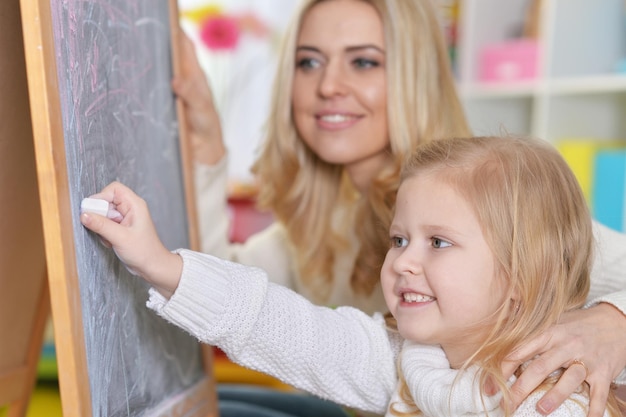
416 298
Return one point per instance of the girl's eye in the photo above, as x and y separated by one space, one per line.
365 63
307 63
440 243
398 242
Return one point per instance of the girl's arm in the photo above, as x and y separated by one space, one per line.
341 354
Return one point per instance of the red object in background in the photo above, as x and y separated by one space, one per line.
220 33
246 219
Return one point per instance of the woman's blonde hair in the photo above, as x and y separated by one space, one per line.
535 219
304 192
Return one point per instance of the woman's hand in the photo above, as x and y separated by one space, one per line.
134 238
202 119
595 337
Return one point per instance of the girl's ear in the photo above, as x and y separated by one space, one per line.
515 301
515 306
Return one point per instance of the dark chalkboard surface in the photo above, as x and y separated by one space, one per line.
99 75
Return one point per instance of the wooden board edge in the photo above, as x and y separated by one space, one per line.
56 213
185 144
190 193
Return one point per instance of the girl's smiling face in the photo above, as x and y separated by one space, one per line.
439 275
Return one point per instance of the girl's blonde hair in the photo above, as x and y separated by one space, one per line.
535 219
304 192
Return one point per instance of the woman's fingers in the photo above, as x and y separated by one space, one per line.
569 382
588 344
534 373
599 392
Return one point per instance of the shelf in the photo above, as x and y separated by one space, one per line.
498 90
612 83
577 92
599 84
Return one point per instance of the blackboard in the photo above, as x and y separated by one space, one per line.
99 75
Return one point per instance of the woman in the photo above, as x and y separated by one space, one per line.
359 85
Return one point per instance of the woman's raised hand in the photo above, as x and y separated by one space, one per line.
192 88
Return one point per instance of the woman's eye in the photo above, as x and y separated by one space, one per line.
440 243
398 242
365 63
307 63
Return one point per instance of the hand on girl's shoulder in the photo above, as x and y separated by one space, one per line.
575 406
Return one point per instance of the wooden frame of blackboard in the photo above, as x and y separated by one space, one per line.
57 219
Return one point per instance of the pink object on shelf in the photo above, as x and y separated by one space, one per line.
515 60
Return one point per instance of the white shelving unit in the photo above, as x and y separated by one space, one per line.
578 91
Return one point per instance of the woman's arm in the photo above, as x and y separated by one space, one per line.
201 117
267 249
595 336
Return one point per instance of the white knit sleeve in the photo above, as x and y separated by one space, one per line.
609 269
210 183
342 355
608 277
268 249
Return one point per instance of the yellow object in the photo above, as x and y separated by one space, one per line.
580 155
199 14
45 402
227 372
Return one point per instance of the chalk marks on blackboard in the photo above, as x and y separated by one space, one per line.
119 122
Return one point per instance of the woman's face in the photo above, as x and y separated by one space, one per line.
339 93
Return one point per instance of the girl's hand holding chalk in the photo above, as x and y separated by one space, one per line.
123 220
100 207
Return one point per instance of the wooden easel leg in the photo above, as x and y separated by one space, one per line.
20 407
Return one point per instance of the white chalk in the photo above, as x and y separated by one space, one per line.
101 207
94 205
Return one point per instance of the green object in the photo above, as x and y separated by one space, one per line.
47 367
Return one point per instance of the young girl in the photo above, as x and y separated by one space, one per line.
359 84
490 243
